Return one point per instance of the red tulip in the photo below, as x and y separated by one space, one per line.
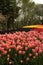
33 50
19 47
36 54
30 54
26 48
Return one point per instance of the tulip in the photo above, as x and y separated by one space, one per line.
30 54
19 52
10 63
8 59
36 54
27 59
34 57
33 50
21 61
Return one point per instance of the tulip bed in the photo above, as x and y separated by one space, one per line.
21 48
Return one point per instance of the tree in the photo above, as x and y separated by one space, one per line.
27 8
10 10
39 12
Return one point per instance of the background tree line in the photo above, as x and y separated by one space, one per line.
16 13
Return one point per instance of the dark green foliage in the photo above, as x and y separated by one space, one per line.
4 6
9 9
15 60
